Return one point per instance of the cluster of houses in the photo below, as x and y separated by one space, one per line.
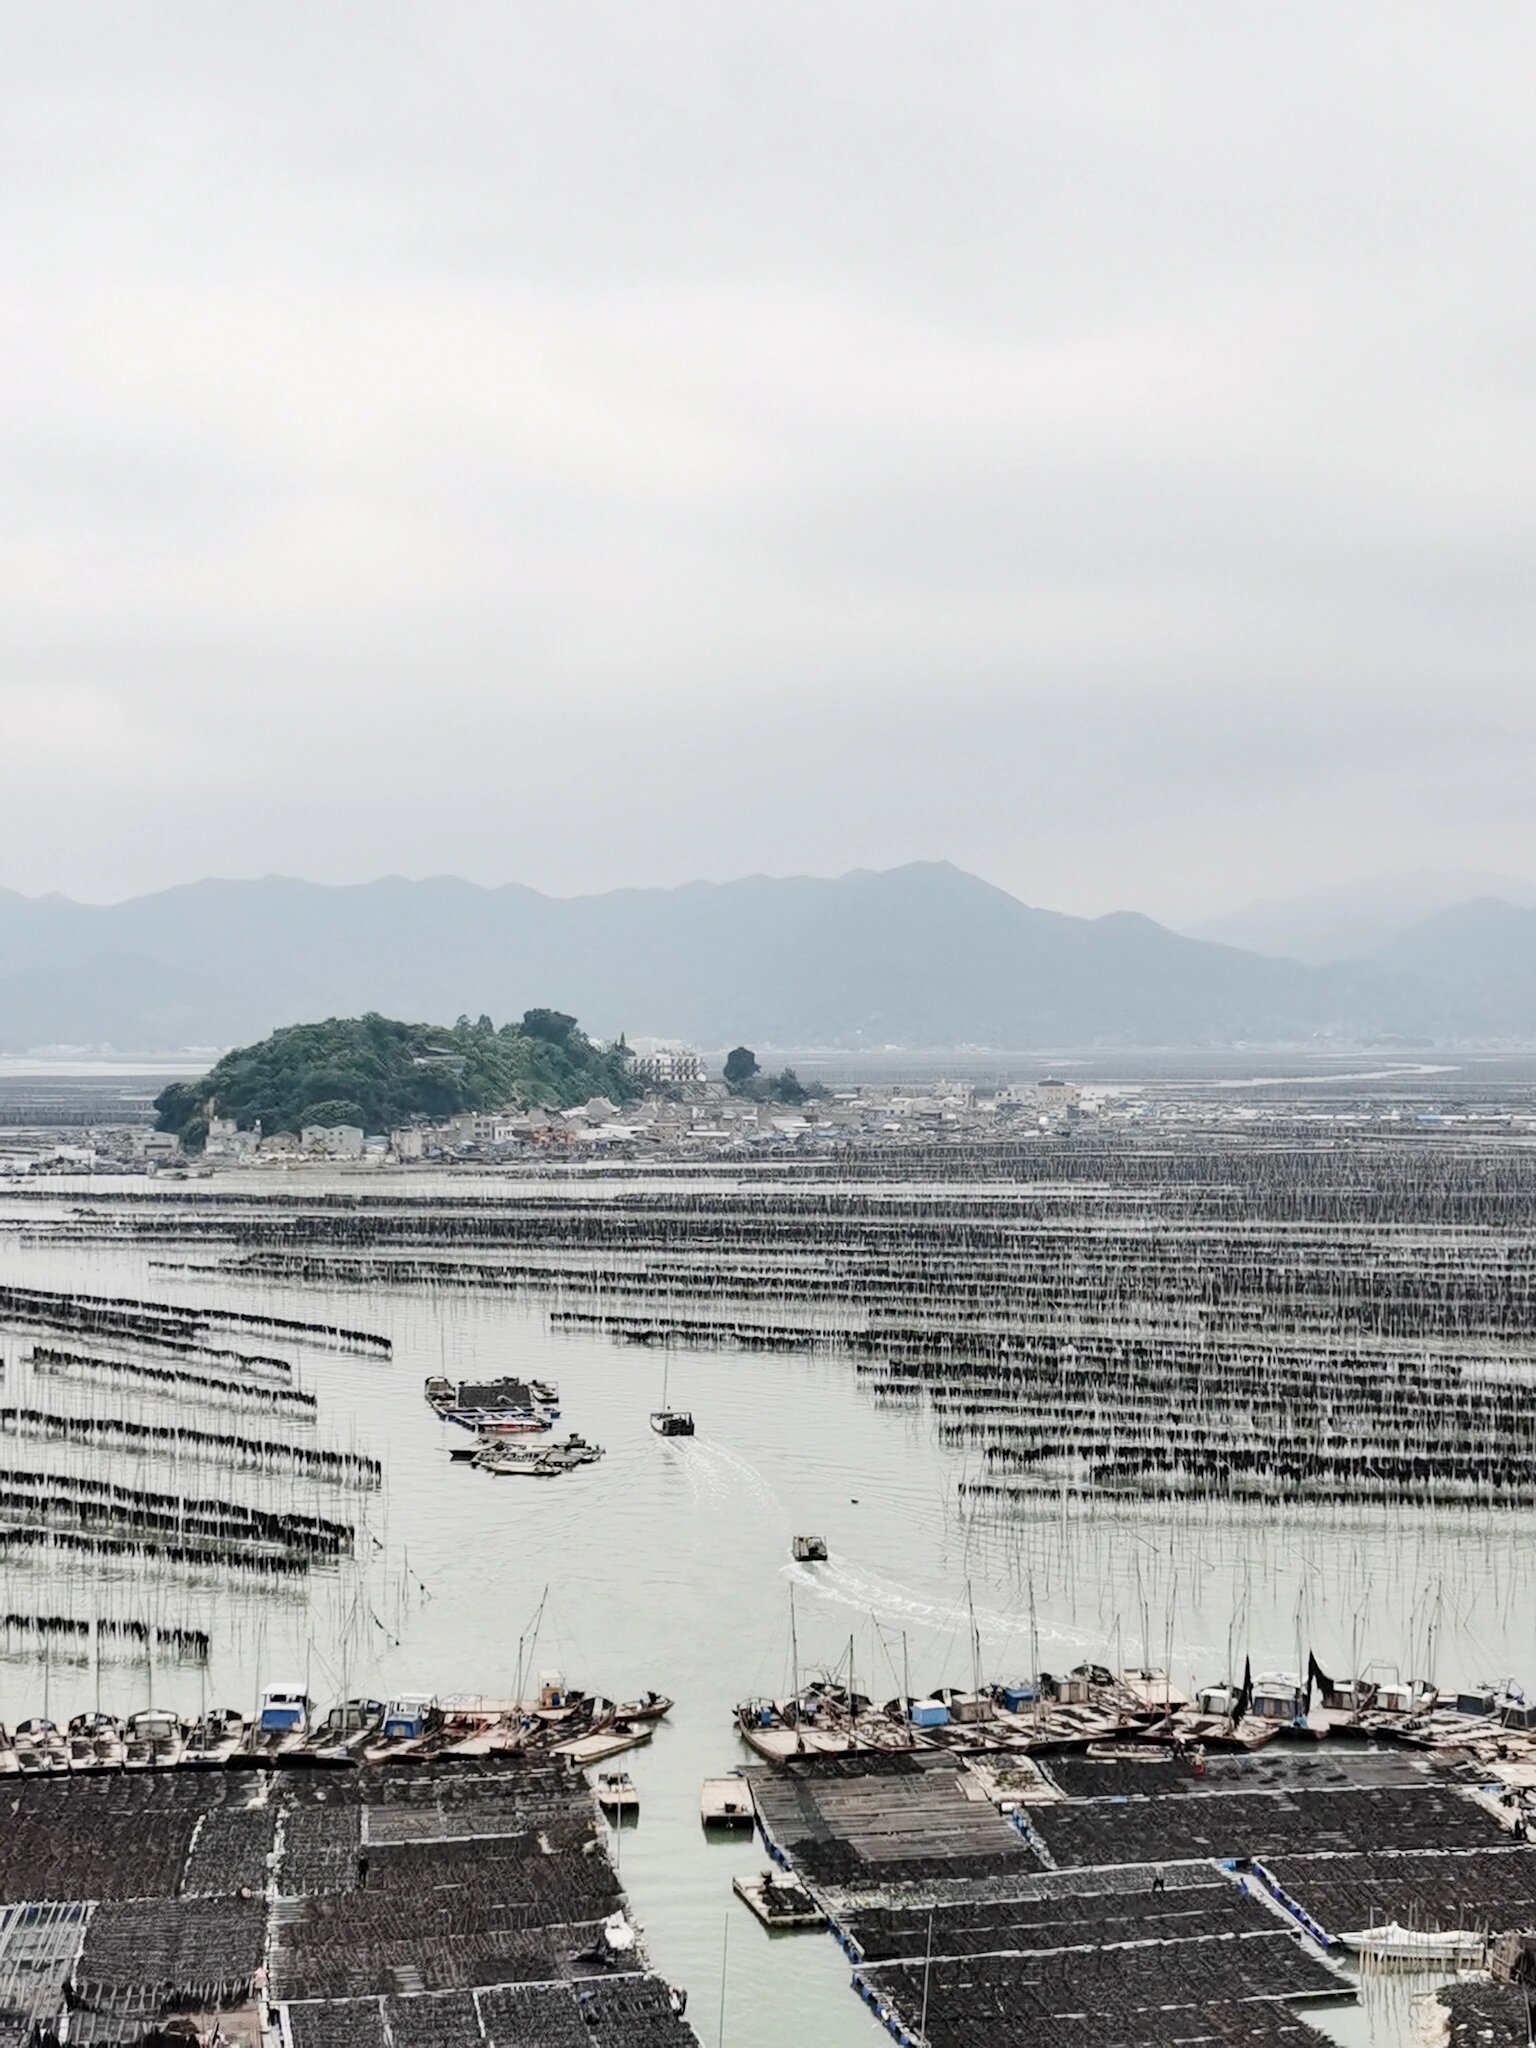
685 1113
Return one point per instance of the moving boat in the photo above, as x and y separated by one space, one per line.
809 1550
670 1421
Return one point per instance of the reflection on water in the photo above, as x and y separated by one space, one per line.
668 1565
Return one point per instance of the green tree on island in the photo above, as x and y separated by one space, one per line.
740 1068
380 1073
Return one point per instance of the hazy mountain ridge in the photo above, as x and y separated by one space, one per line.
1356 920
921 956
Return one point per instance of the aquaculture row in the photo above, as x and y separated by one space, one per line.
1493 1890
57 1499
206 1950
1485 2015
182 1381
1264 1824
347 1468
1021 1999
146 1551
122 1836
168 1325
626 2011
106 1636
1060 1920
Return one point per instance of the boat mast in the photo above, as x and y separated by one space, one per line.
794 1668
975 1645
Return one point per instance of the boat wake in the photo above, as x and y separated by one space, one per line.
905 1606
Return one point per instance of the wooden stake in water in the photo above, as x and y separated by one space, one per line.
922 2025
725 1947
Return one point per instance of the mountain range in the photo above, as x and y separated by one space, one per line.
1354 920
917 956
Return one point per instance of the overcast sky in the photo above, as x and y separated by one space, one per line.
589 443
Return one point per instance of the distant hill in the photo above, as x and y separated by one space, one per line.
378 1073
1478 958
1356 919
917 956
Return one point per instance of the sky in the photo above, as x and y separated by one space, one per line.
587 445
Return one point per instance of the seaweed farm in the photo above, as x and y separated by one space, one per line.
451 1904
1190 1398
1128 1912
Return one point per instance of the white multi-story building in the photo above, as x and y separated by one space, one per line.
670 1066
333 1141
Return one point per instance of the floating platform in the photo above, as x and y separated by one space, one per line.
779 1901
727 1803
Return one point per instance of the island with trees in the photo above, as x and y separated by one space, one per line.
379 1073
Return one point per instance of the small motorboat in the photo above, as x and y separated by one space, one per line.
347 1726
654 1707
666 1420
809 1549
506 1460
616 1793
153 1737
95 1739
40 1746
411 1715
215 1735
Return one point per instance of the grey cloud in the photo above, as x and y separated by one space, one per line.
586 445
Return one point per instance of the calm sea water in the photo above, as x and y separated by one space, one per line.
667 1565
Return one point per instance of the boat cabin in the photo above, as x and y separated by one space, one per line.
1279 1697
809 1549
353 1716
1070 1691
284 1710
154 1724
408 1716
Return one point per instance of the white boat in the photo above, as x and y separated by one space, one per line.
1395 1943
616 1793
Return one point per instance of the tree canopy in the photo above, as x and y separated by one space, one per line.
383 1073
740 1067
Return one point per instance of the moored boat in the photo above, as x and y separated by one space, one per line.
616 1794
